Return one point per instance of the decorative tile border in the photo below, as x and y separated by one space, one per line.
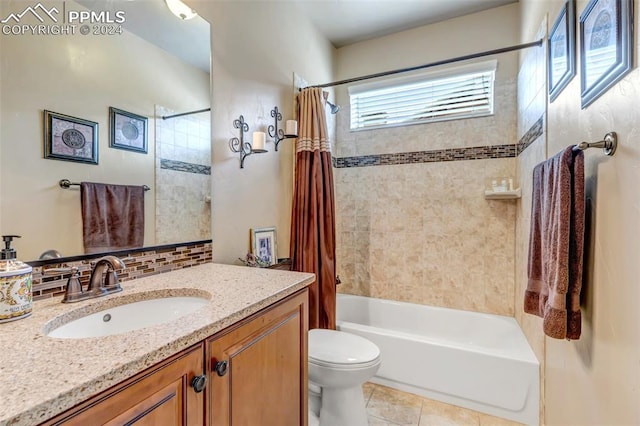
452 154
532 134
181 166
139 263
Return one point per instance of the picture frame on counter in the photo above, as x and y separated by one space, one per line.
562 50
128 131
70 138
606 46
264 244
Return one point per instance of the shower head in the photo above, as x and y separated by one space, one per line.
333 108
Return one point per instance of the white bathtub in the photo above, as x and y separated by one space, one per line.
473 360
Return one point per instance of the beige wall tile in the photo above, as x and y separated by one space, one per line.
426 230
182 210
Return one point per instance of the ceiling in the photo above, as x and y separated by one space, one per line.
152 21
345 22
342 22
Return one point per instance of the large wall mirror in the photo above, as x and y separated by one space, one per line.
82 76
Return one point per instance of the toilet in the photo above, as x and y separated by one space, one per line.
339 363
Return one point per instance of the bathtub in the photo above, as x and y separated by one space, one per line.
478 361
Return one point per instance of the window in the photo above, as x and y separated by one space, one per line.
462 92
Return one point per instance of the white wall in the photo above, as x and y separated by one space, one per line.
461 36
256 47
596 379
79 76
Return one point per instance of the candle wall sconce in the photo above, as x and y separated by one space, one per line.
245 148
291 128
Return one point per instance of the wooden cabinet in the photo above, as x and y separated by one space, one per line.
260 379
161 395
258 368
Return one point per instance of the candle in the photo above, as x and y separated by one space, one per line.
259 139
291 128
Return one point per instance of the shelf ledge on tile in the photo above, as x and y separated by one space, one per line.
503 195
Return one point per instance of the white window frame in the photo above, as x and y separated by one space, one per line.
489 67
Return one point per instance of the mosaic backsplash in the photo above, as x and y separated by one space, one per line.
531 136
453 154
181 166
139 263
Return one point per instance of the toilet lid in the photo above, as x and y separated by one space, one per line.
338 347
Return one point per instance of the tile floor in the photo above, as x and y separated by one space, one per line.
390 407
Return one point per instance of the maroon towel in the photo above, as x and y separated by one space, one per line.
556 244
112 217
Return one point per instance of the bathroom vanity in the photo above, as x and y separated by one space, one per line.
240 359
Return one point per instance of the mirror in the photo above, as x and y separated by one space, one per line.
82 76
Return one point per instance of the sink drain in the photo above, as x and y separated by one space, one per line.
106 317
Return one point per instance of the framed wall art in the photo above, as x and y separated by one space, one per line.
127 130
606 46
70 138
562 50
263 244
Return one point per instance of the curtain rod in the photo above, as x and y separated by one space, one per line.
164 117
433 64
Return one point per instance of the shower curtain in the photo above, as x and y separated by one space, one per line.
313 236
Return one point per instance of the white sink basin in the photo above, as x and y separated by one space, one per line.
129 317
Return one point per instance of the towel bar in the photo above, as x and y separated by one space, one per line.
66 184
608 144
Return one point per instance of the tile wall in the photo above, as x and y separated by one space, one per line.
412 223
532 137
183 177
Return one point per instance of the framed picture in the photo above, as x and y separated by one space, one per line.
606 46
70 138
263 244
562 50
128 130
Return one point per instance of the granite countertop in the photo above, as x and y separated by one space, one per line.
42 376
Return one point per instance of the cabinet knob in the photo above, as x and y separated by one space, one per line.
221 367
198 383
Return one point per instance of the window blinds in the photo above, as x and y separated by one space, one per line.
427 100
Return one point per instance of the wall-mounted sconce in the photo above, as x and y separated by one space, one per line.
291 128
245 148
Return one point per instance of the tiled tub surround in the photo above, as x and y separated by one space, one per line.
43 376
424 233
183 177
497 129
532 135
418 228
139 263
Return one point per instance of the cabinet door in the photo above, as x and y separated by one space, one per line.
162 395
265 379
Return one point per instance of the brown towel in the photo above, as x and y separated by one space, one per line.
556 244
112 216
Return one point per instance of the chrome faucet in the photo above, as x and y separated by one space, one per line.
98 285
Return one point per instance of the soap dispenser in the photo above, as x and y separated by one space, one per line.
15 284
